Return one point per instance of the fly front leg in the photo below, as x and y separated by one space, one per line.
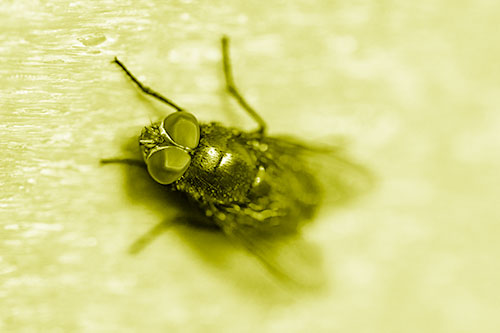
127 161
231 87
146 89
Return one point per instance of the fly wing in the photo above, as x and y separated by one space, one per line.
340 178
292 181
285 196
286 256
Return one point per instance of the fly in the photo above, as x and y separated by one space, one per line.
259 190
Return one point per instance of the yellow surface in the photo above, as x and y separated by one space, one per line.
412 85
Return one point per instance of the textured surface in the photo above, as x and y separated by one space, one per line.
414 86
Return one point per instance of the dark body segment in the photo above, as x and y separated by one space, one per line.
242 179
221 170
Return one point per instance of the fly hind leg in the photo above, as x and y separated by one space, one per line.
233 90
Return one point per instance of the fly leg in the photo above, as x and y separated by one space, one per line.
147 238
146 89
231 87
127 161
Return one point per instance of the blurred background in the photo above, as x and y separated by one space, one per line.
411 86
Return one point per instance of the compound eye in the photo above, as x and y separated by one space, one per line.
168 164
183 128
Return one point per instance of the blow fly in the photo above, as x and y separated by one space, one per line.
259 190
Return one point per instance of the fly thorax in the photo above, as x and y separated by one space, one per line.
226 175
